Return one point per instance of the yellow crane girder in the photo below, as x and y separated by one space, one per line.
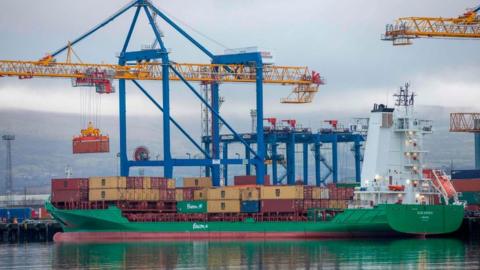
305 83
153 71
407 28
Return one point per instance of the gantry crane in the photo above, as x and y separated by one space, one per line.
156 65
466 26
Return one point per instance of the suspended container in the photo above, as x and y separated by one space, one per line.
90 141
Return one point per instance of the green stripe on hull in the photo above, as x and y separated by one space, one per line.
381 219
425 219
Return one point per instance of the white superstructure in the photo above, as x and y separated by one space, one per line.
393 170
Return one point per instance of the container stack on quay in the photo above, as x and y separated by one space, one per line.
21 214
467 184
158 199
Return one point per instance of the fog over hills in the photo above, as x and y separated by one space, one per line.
42 148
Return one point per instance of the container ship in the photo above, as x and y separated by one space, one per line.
397 196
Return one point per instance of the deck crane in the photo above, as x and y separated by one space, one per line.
155 64
405 29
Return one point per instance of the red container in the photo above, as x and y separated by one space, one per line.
83 145
249 180
472 208
307 192
34 214
281 206
188 194
312 204
332 191
467 185
70 184
69 195
167 195
43 214
135 182
159 182
350 192
324 203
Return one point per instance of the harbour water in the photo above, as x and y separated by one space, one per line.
325 254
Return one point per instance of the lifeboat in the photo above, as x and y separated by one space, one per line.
396 188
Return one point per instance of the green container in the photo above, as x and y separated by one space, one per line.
192 207
348 185
470 197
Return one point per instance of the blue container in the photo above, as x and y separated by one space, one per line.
250 207
465 174
19 213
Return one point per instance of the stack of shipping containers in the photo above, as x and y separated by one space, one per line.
223 200
197 196
467 184
69 192
107 188
281 199
191 198
250 199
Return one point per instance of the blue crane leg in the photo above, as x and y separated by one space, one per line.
305 163
225 165
316 148
248 169
215 135
274 163
335 158
260 160
124 168
208 168
357 159
291 159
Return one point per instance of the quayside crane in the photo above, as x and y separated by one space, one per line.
465 26
154 64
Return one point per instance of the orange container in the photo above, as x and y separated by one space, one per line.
85 145
223 206
197 182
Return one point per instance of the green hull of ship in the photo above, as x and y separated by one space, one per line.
381 220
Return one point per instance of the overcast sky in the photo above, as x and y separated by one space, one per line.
338 38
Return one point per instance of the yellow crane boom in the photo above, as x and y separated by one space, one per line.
407 28
301 77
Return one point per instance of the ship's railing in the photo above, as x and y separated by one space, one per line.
360 204
409 124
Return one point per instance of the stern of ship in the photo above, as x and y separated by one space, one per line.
424 219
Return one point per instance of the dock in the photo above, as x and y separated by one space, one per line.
30 231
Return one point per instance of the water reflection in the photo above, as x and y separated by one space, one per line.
336 254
